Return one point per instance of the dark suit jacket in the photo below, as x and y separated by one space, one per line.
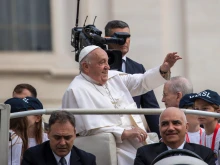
147 100
42 155
146 154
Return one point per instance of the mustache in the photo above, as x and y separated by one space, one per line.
171 132
61 147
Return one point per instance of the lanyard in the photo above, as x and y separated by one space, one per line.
213 137
200 134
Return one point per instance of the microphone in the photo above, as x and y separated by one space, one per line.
112 40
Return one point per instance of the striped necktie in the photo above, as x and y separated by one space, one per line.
63 161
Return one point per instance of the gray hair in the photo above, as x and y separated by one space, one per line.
180 84
114 24
86 59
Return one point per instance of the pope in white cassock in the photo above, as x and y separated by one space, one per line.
98 87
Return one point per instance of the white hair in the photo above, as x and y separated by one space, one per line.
180 84
86 59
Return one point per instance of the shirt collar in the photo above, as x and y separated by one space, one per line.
124 58
180 147
89 78
67 157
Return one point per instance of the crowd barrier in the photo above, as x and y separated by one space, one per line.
5 117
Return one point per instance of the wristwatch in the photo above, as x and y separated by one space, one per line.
161 72
165 75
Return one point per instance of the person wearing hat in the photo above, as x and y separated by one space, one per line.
147 100
209 101
194 132
98 87
36 134
17 132
26 90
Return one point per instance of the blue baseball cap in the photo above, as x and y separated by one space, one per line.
187 100
33 102
17 105
209 96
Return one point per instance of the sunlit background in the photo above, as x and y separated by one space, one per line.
35 40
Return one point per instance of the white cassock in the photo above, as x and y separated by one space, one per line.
116 93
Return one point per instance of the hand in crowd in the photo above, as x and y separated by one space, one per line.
169 61
135 132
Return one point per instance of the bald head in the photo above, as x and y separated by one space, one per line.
173 127
173 110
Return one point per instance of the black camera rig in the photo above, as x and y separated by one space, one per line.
90 35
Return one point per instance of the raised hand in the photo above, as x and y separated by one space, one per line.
169 61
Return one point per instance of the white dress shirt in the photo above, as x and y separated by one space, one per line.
180 147
67 158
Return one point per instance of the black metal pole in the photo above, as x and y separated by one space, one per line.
77 13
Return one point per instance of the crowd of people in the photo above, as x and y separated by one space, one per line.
34 142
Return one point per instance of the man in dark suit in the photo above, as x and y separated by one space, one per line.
59 150
147 100
173 128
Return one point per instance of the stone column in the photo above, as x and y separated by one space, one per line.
63 16
58 26
173 30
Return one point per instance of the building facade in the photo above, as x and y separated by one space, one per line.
35 40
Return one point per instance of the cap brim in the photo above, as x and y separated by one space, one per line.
187 104
199 97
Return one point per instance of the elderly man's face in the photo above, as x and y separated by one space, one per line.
170 98
98 66
62 136
173 127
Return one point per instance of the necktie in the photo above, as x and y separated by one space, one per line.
123 68
63 161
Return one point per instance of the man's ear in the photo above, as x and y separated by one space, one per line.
85 67
179 95
74 132
48 134
187 127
